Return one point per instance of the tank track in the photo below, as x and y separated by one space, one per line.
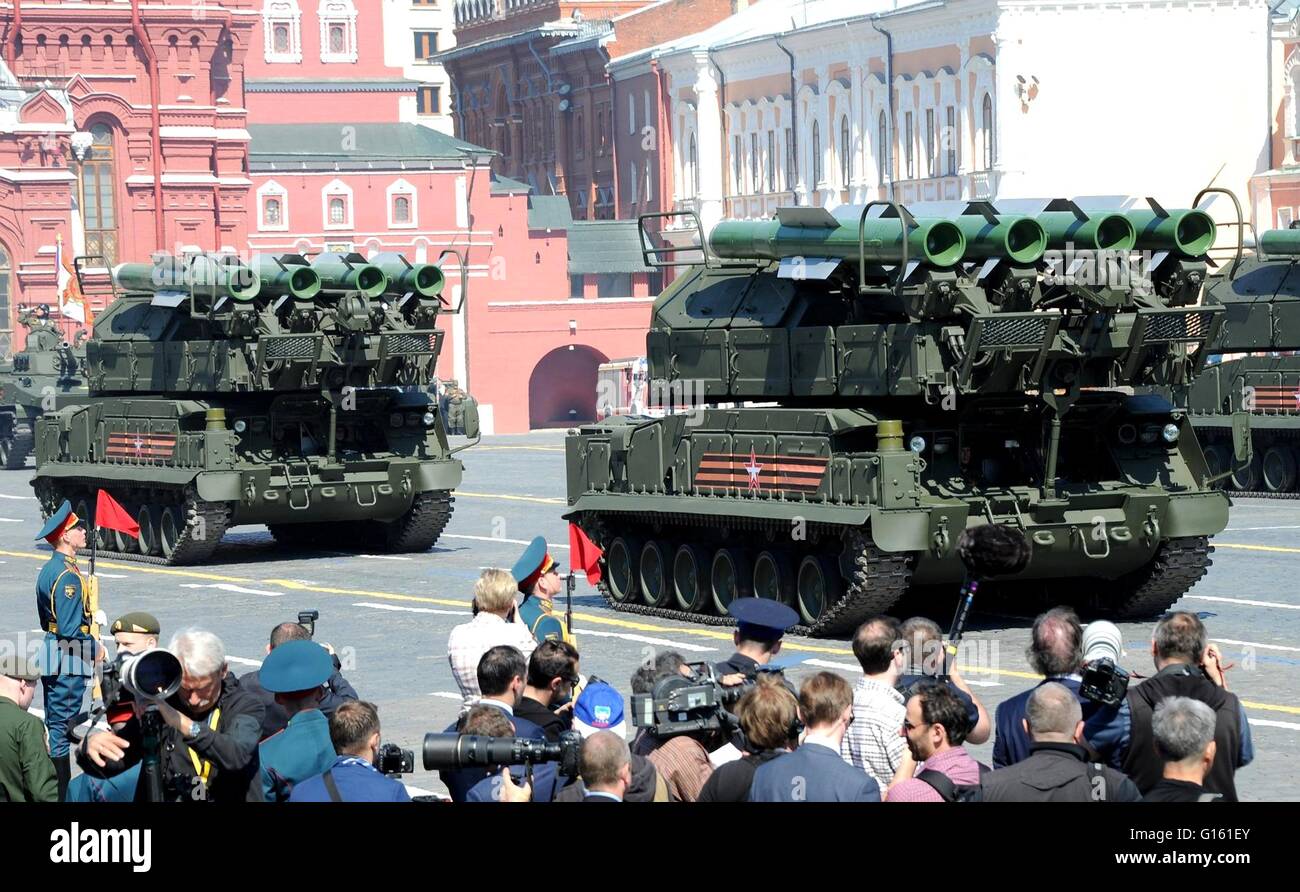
1177 566
880 580
14 452
419 528
212 518
1263 494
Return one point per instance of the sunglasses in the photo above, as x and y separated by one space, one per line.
908 726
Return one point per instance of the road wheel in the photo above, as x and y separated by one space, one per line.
621 569
730 577
819 586
1278 468
773 577
691 584
656 588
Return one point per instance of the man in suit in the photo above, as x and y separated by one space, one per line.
501 673
354 731
606 767
295 673
815 772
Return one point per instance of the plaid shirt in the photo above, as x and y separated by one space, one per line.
955 763
469 641
874 741
684 765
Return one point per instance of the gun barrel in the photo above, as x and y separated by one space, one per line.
936 242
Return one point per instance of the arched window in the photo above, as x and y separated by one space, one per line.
816 154
401 209
692 156
844 152
282 30
338 31
986 128
882 147
272 212
338 210
6 323
280 38
771 161
950 142
99 194
908 146
755 184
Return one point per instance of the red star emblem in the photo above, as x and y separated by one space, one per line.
752 470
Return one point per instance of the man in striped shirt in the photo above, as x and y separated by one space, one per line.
872 742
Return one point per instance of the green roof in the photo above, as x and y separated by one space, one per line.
549 212
343 145
502 185
605 246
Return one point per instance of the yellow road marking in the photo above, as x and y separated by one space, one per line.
139 568
1250 704
1280 548
492 495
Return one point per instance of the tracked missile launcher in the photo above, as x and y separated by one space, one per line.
287 392
848 394
47 370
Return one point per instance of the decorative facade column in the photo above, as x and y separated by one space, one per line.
859 134
708 137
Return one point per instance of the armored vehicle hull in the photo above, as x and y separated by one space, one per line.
303 409
901 404
42 375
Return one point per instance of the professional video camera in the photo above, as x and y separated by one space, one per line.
450 751
682 704
394 760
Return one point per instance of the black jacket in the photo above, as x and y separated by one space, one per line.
1180 791
229 750
276 719
1145 766
731 782
1058 772
552 725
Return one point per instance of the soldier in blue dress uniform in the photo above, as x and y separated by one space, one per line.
296 672
69 653
540 581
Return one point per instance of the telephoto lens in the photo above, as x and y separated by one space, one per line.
444 751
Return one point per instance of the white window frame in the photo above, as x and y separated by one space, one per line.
337 12
282 12
631 113
272 189
405 190
336 189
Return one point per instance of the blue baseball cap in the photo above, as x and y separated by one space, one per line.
296 666
599 708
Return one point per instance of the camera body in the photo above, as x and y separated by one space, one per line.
307 619
683 705
1104 682
451 751
392 759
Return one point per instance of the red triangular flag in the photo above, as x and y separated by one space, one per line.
584 554
109 515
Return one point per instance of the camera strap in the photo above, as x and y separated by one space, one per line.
331 787
202 767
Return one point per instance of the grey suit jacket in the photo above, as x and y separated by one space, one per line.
812 773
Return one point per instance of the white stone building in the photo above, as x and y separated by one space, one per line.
414 30
831 102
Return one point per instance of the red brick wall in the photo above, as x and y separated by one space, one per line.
656 24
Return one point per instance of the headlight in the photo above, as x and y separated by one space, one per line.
917 444
1170 433
240 426
428 419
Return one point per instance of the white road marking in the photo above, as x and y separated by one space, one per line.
102 575
18 498
1246 601
446 695
1254 644
495 539
373 606
418 791
231 587
1271 723
243 661
644 639
384 557
10 520
1258 529
830 664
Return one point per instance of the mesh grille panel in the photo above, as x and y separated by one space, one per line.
1014 332
290 348
398 344
1177 326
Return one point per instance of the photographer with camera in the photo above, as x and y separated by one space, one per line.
295 673
1056 652
1186 666
760 624
507 783
501 674
337 690
815 772
769 720
204 734
927 663
26 770
1058 768
353 777
134 633
553 676
935 726
679 750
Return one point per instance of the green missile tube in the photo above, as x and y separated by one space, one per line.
299 282
1021 239
1188 232
203 275
424 279
1280 242
936 242
1102 231
338 274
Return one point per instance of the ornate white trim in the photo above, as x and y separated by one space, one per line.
338 12
403 189
337 188
282 12
272 189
